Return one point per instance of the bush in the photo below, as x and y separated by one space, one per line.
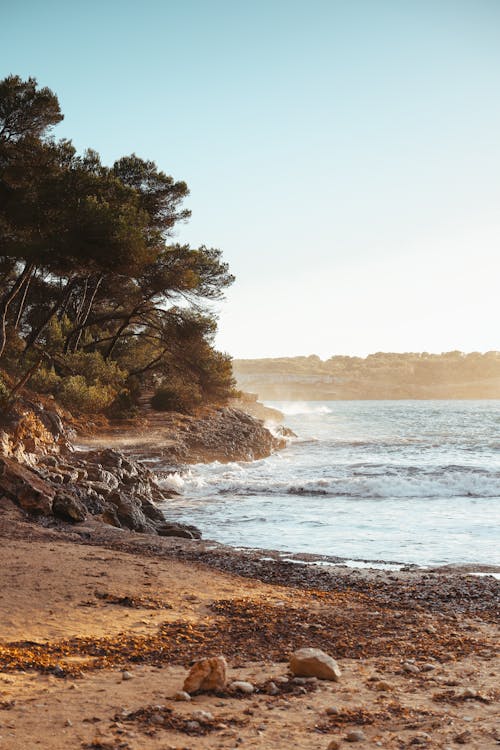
76 395
94 368
4 392
45 380
176 396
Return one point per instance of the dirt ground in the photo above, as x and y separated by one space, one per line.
95 642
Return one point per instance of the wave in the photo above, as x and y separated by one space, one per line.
370 482
294 408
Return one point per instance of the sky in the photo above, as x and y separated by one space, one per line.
343 154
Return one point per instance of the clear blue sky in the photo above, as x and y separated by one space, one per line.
344 155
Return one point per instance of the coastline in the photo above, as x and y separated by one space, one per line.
101 624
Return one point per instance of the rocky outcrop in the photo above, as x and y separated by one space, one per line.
105 484
46 477
249 403
223 434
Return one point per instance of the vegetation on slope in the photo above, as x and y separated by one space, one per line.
379 376
96 300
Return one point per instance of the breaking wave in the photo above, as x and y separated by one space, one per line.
413 481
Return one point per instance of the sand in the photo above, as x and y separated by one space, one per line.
81 608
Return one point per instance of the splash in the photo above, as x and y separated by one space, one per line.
292 408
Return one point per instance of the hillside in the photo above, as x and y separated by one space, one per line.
451 375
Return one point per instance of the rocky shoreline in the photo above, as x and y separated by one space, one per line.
107 606
52 480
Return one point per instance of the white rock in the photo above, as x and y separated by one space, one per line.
202 716
126 675
312 662
240 686
181 695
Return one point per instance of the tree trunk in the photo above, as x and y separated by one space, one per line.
36 333
77 333
9 297
22 303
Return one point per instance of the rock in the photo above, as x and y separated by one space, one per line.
207 675
192 726
272 688
126 675
334 745
332 711
411 668
469 693
179 529
26 488
202 716
355 735
240 686
67 506
383 686
181 695
312 662
463 738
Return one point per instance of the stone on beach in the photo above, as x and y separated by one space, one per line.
240 686
312 662
207 675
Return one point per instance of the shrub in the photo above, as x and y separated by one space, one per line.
4 392
45 380
77 395
94 368
176 396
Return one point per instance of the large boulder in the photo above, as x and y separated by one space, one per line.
25 487
312 662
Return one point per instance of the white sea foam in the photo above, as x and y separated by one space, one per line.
412 481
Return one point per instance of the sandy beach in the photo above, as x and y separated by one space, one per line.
100 627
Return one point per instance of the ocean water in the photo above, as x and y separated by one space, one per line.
403 481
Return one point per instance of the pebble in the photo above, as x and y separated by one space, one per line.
463 738
334 745
181 695
240 686
272 689
411 668
126 675
427 667
355 735
469 693
202 716
332 711
383 686
192 726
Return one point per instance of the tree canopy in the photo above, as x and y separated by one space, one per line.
94 291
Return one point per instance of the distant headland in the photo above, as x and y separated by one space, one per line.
384 375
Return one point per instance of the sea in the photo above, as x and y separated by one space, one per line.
383 482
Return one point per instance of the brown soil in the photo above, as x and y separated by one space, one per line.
79 605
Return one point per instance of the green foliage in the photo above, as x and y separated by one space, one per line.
4 392
94 368
95 304
176 396
45 380
76 395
